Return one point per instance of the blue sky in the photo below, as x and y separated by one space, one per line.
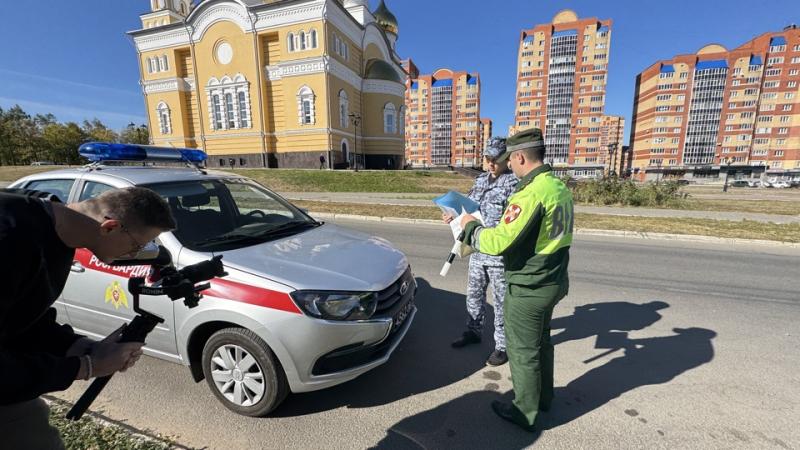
73 59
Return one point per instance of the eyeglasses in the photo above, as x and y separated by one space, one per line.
137 246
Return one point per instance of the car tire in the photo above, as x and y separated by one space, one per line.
243 372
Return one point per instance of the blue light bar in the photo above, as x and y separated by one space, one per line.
105 151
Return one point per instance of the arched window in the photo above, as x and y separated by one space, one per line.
312 37
149 65
229 102
305 105
302 40
290 41
217 105
230 111
164 63
389 119
244 114
344 109
164 119
183 9
402 120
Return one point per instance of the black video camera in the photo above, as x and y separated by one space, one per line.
164 279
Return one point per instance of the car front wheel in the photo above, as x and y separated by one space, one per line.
243 373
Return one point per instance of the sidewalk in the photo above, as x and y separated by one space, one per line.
400 199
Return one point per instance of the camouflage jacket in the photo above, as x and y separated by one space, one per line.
492 195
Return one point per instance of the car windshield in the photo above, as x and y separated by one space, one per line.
225 214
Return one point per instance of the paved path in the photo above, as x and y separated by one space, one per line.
705 339
425 200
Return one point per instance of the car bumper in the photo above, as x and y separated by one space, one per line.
317 354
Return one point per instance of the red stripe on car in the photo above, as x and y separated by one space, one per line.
220 287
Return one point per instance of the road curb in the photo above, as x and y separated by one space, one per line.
580 231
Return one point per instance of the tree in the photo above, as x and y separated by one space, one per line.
135 135
24 139
63 140
97 131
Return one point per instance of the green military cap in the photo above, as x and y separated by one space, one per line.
530 138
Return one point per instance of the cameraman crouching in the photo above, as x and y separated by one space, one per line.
38 239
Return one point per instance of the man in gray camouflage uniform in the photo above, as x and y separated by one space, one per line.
491 190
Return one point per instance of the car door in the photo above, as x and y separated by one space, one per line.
97 297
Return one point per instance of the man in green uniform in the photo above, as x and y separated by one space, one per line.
534 237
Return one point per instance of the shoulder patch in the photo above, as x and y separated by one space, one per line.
512 213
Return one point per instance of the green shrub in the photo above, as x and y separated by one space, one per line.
617 192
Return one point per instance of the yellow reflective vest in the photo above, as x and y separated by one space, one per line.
534 234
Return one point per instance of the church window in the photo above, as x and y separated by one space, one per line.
164 120
344 106
229 101
305 105
389 119
302 40
230 111
290 41
217 112
164 64
244 117
312 38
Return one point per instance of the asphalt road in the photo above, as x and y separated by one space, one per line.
707 357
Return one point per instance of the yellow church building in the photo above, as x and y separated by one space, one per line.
274 83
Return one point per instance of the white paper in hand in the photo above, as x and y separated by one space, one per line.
457 205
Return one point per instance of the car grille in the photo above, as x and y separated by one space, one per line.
390 299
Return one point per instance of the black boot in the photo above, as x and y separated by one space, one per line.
497 358
467 338
510 413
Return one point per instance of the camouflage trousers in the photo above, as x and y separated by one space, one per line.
479 278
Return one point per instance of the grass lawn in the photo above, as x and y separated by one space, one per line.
704 227
88 433
13 173
397 181
418 182
789 208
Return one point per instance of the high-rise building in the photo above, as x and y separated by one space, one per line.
486 133
443 125
274 83
721 111
561 88
612 132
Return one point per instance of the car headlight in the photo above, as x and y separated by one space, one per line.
337 305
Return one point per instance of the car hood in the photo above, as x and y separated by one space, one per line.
327 257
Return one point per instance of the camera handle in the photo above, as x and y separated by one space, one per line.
136 331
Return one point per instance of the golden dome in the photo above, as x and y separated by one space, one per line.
385 18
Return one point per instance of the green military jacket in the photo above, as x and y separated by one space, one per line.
534 234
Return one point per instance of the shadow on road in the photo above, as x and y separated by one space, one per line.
468 422
424 361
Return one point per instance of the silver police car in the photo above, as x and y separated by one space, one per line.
306 305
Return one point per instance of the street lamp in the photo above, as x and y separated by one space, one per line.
463 150
658 174
728 161
356 119
612 151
